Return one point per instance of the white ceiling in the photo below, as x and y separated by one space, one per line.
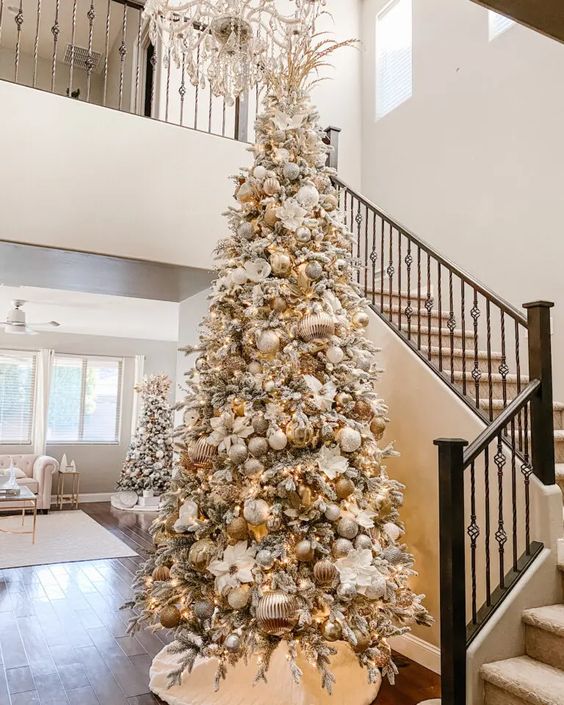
95 314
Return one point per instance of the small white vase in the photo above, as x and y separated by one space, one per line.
147 493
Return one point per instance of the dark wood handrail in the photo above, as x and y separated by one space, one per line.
504 305
498 425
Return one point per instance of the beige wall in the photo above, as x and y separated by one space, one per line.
474 161
100 465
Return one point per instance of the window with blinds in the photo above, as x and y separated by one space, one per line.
17 396
497 24
85 399
394 75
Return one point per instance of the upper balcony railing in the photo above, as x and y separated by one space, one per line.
99 52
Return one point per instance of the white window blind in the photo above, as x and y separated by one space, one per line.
17 396
85 399
394 75
497 24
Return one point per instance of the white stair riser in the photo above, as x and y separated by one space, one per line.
444 339
557 418
496 696
544 646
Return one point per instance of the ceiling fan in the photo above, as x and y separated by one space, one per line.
15 322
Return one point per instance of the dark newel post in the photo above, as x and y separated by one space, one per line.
333 141
540 367
453 579
242 118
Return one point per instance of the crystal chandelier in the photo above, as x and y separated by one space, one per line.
227 43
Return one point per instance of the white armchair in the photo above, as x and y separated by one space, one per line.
39 471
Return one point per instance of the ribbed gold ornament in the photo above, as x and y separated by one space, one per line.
161 573
317 326
277 613
324 572
202 453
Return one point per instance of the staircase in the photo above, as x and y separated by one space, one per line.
546 17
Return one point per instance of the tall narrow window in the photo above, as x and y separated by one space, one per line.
85 400
394 75
497 24
17 396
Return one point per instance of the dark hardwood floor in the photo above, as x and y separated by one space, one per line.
63 636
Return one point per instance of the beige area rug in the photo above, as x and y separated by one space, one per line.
61 537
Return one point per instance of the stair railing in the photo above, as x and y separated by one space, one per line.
455 324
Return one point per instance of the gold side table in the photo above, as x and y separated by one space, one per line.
26 499
68 497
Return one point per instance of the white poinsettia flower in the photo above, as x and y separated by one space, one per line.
228 430
234 568
363 517
323 394
331 462
283 121
357 568
257 270
291 214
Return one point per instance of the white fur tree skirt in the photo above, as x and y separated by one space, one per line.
197 688
117 504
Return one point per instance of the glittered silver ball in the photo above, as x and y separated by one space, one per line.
346 592
252 466
392 555
350 439
342 547
245 230
362 541
238 453
256 511
265 558
259 424
333 512
203 609
232 643
347 528
258 446
313 271
291 171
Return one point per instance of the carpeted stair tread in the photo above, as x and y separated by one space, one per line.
496 377
500 404
532 681
457 352
559 472
549 618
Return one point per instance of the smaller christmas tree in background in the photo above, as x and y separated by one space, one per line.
148 464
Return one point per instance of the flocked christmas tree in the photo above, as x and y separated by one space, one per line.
148 463
282 522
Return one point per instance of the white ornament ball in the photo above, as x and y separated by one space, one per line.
252 466
239 597
278 440
269 385
265 558
188 509
258 446
259 172
291 171
350 439
238 453
254 367
392 530
313 271
238 276
256 511
271 186
342 547
268 341
245 230
347 528
303 234
232 643
361 319
346 592
362 541
308 196
333 512
335 354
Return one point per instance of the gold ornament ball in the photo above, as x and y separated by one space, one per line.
306 496
239 597
281 264
201 552
316 326
277 613
238 406
161 573
203 609
268 341
329 202
300 435
304 551
344 487
362 641
378 427
343 399
278 304
324 572
271 215
361 319
332 631
362 410
171 521
347 528
271 186
169 617
237 529
245 193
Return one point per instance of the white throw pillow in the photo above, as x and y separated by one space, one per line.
20 473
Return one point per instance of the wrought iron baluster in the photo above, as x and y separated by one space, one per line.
463 324
197 88
154 58
409 307
390 270
107 51
473 533
503 368
381 264
429 302
489 353
476 372
122 55
373 257
167 83
451 324
91 14
19 20
358 221
223 116
73 48
182 90
36 43
527 471
487 522
400 262
500 534
518 375
514 493
366 251
440 315
210 107
139 55
55 30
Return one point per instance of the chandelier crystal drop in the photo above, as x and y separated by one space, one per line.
227 44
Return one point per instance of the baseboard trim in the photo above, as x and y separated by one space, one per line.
89 497
418 650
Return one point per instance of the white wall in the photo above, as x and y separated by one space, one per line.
88 178
190 314
100 465
474 161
